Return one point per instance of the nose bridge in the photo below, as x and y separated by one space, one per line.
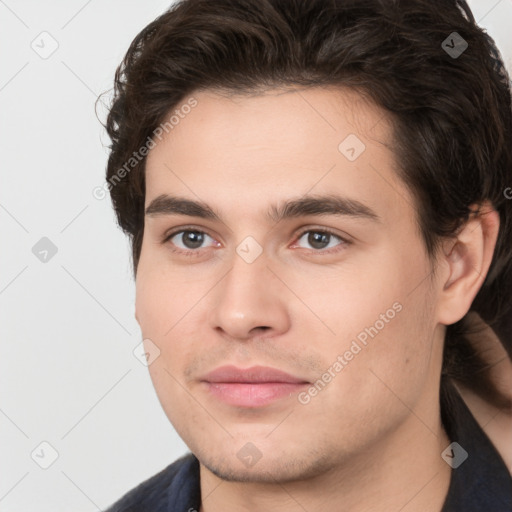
248 297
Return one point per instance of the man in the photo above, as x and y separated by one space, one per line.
314 193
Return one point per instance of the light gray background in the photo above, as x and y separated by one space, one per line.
68 374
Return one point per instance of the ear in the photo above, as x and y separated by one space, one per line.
464 262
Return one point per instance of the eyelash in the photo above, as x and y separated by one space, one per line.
197 252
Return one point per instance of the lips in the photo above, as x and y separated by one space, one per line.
251 387
254 375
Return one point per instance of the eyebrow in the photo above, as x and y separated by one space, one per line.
304 206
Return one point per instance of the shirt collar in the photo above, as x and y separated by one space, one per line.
482 481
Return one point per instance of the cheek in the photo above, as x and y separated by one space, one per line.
168 312
162 315
151 303
162 298
378 319
371 375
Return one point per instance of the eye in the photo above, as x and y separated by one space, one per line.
320 239
189 242
189 239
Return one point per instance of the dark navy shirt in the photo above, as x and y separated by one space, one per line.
481 483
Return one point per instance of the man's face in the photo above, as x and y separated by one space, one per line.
342 301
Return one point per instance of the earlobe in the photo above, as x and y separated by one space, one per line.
467 258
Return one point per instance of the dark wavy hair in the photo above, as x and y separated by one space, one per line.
451 115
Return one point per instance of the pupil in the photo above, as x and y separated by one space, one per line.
193 239
318 240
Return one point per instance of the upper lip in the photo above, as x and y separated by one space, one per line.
254 374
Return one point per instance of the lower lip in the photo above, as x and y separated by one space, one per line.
252 395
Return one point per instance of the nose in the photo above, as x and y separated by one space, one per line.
249 301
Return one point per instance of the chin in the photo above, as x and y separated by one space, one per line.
279 469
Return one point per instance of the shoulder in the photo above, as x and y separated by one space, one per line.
480 480
153 494
495 422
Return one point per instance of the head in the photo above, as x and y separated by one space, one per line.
342 179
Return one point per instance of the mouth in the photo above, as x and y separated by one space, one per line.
251 387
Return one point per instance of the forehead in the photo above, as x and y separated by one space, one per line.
246 151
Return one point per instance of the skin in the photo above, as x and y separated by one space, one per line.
372 437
